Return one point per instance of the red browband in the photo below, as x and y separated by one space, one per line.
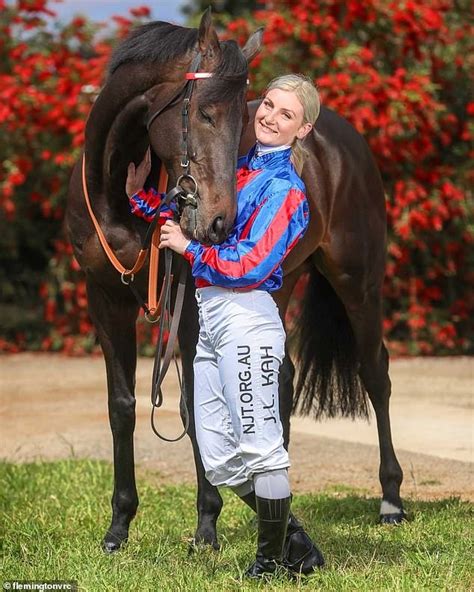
197 75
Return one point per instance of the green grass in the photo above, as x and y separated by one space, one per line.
54 515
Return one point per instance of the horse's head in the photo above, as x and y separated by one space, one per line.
214 122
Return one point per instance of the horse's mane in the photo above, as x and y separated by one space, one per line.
162 42
154 42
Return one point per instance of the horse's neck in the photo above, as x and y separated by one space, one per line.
116 120
116 132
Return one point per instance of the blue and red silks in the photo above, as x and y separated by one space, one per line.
272 216
144 204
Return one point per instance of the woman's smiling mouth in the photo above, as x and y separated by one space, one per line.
266 128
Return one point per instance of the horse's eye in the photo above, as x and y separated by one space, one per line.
206 117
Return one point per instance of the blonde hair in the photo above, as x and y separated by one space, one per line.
308 96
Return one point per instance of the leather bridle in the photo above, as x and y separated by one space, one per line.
188 198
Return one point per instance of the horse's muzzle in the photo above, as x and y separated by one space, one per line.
195 227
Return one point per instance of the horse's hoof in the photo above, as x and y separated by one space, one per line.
396 518
110 547
391 514
112 543
197 544
205 536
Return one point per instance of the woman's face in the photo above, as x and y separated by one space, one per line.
279 119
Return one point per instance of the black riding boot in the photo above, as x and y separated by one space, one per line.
300 554
272 515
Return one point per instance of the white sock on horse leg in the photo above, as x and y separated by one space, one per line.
272 484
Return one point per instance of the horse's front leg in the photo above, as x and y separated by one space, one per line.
114 315
209 500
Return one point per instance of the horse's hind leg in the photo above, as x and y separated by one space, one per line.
366 322
287 369
209 500
114 317
286 390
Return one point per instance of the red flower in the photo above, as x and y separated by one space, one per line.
140 11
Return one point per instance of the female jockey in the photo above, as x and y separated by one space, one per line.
242 341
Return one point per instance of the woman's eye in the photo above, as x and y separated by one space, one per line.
286 115
207 118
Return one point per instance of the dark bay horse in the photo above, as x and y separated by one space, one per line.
343 250
147 75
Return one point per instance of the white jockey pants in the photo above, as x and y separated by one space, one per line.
240 349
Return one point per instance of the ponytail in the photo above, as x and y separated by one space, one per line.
298 155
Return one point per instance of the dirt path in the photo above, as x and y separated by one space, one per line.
54 407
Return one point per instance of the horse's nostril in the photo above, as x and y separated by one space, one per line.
217 230
218 225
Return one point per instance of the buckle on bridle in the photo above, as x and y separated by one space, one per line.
150 316
189 200
125 275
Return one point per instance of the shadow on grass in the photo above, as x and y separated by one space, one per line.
346 529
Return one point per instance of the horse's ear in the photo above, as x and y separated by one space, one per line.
208 41
253 45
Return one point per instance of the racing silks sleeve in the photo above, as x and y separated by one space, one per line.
246 261
145 204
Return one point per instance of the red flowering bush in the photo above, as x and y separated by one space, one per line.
397 70
49 77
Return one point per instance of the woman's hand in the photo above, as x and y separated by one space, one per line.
136 176
172 237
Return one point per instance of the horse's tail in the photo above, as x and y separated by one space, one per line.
328 383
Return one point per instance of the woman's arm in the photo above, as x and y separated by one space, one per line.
145 204
266 240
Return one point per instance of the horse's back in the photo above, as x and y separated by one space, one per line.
347 227
348 168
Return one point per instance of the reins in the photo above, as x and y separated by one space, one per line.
160 366
160 310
